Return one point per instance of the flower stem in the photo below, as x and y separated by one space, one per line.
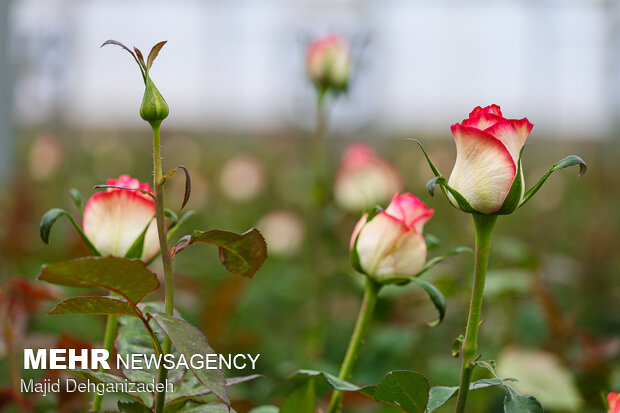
484 231
363 320
165 255
108 344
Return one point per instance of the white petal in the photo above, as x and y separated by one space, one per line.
113 221
484 169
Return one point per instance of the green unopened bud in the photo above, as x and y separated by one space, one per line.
154 107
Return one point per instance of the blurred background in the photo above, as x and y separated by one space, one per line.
242 118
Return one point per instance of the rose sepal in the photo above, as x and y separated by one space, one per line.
461 202
429 264
52 216
561 164
515 193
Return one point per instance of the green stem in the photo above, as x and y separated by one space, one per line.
165 255
108 344
484 231
319 153
363 320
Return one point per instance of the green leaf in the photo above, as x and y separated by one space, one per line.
265 409
154 52
241 254
188 340
117 43
207 408
132 407
406 389
132 338
50 218
77 198
563 163
129 278
95 305
175 404
436 297
440 395
302 400
98 377
330 379
515 403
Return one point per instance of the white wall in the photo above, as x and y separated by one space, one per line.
238 64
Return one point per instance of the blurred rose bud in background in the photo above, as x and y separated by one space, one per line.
543 375
328 62
364 179
283 230
613 400
242 178
45 156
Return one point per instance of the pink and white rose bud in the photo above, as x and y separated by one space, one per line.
613 401
114 219
328 63
364 179
488 160
391 245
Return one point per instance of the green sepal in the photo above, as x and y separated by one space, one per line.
50 218
76 197
561 164
513 198
431 242
429 264
461 202
174 218
137 248
439 301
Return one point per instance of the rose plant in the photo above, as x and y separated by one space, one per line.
389 248
487 181
126 227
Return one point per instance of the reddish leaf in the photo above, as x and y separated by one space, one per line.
241 254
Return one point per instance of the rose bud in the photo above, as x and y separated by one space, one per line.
114 219
154 107
364 179
613 399
328 63
487 177
390 244
488 149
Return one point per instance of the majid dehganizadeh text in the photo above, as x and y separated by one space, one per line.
94 359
